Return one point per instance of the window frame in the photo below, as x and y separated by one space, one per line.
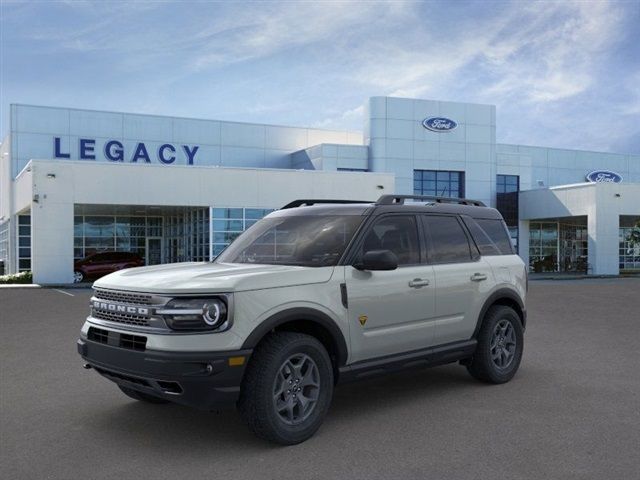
461 181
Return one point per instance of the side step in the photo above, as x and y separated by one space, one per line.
426 357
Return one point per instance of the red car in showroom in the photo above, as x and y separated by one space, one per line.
99 264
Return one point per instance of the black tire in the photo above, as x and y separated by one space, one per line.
141 396
257 404
484 364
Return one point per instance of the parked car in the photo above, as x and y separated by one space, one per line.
99 264
314 294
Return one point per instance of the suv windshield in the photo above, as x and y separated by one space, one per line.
309 241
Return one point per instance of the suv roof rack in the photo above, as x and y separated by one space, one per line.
301 202
399 200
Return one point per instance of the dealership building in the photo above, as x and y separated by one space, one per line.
74 182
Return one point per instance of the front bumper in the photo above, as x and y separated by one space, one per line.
203 380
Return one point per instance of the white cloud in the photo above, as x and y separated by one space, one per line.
531 59
555 53
348 117
525 59
260 32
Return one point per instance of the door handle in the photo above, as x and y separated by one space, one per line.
478 277
418 282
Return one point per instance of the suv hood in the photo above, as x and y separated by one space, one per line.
205 277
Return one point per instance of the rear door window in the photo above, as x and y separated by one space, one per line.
448 242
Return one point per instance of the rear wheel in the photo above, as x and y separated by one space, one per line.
78 276
500 346
141 396
287 388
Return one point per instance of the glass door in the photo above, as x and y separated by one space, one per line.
573 248
154 251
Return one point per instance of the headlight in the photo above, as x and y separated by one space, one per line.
196 314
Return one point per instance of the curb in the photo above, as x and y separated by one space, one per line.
582 277
20 285
66 286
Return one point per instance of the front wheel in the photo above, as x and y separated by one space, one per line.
287 388
500 346
78 276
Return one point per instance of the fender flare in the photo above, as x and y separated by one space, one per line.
300 313
502 293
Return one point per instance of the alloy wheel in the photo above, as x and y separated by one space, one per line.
503 344
296 389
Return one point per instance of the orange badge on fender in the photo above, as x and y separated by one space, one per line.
362 319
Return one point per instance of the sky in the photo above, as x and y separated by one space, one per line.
562 74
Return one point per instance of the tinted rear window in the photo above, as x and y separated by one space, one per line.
447 241
491 236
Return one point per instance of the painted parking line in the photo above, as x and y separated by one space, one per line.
66 293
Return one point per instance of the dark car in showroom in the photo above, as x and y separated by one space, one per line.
101 263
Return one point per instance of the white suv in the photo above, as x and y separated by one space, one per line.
316 293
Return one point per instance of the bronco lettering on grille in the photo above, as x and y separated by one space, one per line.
112 307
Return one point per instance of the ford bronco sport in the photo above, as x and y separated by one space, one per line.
316 293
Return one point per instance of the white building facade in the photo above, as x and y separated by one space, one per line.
75 182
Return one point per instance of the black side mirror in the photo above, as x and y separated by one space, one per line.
378 260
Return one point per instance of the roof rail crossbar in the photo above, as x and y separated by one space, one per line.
399 200
301 202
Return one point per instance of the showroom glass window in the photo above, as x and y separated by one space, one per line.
24 243
507 188
107 233
439 183
229 223
543 247
629 243
4 247
558 246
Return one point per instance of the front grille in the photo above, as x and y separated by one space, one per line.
123 297
98 335
127 318
133 342
122 340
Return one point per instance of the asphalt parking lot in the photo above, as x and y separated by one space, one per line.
573 410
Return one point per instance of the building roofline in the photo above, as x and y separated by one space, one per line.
192 167
561 148
434 100
184 118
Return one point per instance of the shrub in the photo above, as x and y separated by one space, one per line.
22 277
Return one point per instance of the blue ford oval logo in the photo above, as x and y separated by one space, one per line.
439 124
604 176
